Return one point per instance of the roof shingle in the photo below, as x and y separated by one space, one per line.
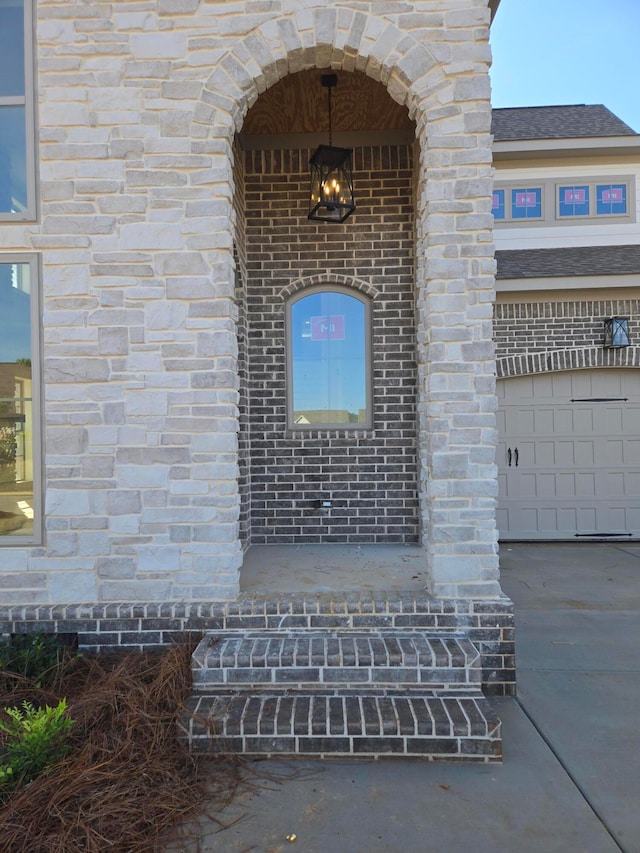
573 261
561 122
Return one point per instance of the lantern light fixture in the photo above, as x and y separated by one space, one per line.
616 332
331 195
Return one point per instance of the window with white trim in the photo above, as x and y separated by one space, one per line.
562 202
20 480
596 199
329 359
17 135
517 203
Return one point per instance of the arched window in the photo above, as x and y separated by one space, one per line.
329 359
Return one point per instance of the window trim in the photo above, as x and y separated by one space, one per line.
35 271
28 101
366 301
551 201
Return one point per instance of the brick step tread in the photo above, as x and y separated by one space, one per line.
468 750
263 677
305 650
270 715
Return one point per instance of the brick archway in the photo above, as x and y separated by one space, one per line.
329 279
454 283
566 359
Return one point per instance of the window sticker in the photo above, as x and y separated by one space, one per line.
497 205
327 328
526 203
611 199
574 201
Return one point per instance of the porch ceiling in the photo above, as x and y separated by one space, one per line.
298 104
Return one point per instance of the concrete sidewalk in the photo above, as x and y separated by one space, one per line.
570 781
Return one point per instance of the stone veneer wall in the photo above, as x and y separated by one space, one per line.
533 337
138 108
370 475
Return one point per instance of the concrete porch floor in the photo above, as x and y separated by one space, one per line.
332 568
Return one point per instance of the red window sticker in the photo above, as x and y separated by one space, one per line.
575 196
525 199
613 195
327 328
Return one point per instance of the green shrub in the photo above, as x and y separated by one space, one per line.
36 656
34 739
8 444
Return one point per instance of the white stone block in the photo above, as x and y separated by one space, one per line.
157 46
66 502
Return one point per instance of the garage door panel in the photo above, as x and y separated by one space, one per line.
631 452
618 517
547 518
544 421
613 453
632 484
554 385
585 453
582 422
631 421
586 519
563 452
566 486
578 463
612 484
545 485
525 422
610 420
585 484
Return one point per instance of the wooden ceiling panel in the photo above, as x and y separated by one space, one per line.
298 104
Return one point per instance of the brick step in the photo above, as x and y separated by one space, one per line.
337 725
348 658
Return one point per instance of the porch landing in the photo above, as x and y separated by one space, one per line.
270 569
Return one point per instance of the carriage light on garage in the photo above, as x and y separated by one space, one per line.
616 332
331 195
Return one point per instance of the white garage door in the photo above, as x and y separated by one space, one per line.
569 455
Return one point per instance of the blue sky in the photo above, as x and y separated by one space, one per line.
568 52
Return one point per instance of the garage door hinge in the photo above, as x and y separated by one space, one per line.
600 535
599 399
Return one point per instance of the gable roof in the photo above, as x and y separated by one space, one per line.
559 122
571 261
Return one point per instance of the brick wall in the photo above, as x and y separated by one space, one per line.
104 628
240 258
369 474
534 336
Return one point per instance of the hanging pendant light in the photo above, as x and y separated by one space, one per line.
331 176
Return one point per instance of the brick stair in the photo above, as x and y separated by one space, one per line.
340 693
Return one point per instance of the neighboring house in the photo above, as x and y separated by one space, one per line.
567 234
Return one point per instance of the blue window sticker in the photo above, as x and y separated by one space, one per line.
611 199
573 201
497 205
526 203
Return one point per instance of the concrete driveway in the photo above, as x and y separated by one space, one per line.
570 781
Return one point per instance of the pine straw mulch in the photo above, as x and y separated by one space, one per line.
127 779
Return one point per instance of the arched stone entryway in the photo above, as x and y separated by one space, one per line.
453 249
